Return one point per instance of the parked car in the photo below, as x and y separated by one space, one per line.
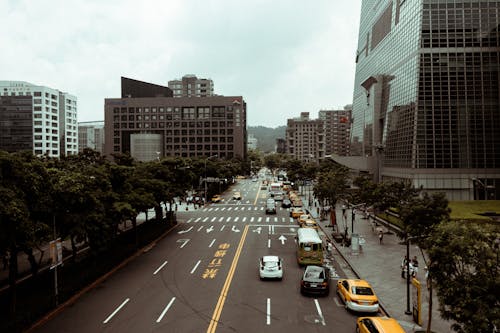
237 196
304 217
216 198
271 201
286 203
271 267
309 223
295 212
357 295
316 280
378 325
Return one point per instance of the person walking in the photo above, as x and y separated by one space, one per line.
414 264
380 236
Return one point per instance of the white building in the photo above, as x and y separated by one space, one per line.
91 135
252 142
55 131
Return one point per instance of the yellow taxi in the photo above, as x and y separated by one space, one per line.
357 295
378 325
295 212
216 198
309 223
304 217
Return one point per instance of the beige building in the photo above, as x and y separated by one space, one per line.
337 124
191 86
305 139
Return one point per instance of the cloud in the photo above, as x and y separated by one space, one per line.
283 57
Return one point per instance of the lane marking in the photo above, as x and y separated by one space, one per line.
159 268
268 319
222 227
213 219
269 243
195 266
320 313
205 219
198 219
116 310
228 219
165 310
212 243
223 294
244 219
221 218
200 228
236 219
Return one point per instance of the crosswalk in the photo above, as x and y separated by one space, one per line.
239 219
237 208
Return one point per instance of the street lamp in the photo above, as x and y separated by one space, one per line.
206 159
408 239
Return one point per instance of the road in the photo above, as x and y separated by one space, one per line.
203 277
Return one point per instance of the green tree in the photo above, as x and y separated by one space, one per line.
465 268
420 216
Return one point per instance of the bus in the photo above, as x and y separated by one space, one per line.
309 247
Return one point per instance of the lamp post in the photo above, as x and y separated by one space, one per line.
206 159
408 311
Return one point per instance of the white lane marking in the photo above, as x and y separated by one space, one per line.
223 208
116 310
221 218
216 209
159 268
198 219
205 219
269 243
165 310
319 312
268 317
337 302
195 266
244 219
251 220
213 219
283 219
183 241
275 219
228 219
267 219
200 228
210 209
230 208
236 219
189 221
212 243
291 220
260 219
222 227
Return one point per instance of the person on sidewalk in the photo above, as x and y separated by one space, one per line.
380 236
404 264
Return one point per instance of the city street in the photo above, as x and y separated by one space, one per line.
204 276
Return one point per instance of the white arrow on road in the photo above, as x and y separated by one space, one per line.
183 241
210 229
282 239
258 230
184 231
234 229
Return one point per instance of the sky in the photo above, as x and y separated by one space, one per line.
283 56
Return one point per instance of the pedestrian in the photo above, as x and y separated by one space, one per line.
414 264
404 264
380 236
329 247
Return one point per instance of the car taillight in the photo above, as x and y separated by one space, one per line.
325 284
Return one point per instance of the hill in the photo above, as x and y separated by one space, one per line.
266 136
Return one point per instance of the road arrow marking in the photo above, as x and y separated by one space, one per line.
234 229
183 241
258 230
184 231
210 229
282 239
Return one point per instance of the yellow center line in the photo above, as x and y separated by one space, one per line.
223 294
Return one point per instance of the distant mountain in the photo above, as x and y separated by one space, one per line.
266 136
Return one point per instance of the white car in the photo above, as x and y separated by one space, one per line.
237 196
270 267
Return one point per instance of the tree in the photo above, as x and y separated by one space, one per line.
421 216
465 267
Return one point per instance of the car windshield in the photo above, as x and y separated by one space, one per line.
362 291
315 274
270 264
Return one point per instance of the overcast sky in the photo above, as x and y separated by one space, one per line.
283 56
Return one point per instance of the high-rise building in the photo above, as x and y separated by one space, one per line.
337 124
54 129
426 95
184 126
191 86
91 135
305 138
252 142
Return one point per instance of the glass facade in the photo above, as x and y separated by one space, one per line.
426 99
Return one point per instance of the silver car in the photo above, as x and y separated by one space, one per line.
270 267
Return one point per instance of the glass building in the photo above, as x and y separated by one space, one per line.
426 105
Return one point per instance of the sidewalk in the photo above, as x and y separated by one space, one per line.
379 264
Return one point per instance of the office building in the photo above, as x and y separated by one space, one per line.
280 146
252 142
91 135
191 86
426 95
184 126
337 130
305 140
54 129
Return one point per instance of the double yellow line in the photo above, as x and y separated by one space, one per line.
223 294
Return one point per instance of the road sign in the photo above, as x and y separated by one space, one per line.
55 248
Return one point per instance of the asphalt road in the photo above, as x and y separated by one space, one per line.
203 277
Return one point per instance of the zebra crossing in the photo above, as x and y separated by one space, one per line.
239 219
237 208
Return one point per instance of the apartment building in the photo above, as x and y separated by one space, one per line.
191 86
53 115
305 139
337 130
